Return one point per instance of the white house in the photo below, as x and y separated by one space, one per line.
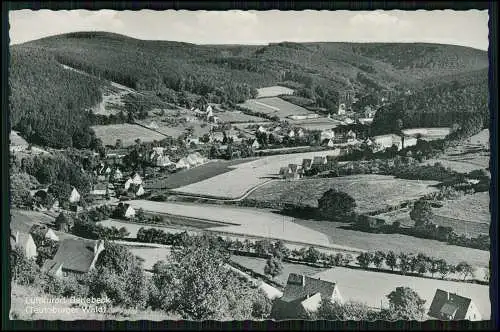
291 133
255 145
136 179
74 196
327 134
182 163
25 242
117 174
328 142
139 191
51 235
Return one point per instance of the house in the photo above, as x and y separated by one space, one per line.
303 295
306 164
74 257
162 161
291 133
136 178
409 141
137 189
127 184
125 210
261 129
25 242
387 141
300 132
99 189
55 206
449 306
49 234
74 197
365 121
351 135
341 109
255 145
283 171
182 163
117 174
152 125
328 142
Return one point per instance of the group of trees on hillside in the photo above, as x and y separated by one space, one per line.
48 103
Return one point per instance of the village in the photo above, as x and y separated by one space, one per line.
185 175
129 174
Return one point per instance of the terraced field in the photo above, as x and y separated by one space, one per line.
371 192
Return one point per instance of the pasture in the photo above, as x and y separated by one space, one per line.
315 124
273 91
475 208
373 287
462 165
126 132
372 192
238 117
251 222
274 106
428 133
193 175
246 176
257 265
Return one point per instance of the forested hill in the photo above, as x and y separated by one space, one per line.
440 102
221 73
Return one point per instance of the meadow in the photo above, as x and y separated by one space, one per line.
274 106
238 117
126 132
273 91
193 175
372 192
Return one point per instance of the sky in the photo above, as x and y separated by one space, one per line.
466 28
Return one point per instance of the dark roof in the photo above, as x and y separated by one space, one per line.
299 287
306 162
447 303
75 254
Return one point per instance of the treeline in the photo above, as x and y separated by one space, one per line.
443 105
47 102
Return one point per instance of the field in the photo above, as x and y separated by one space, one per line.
443 217
238 117
475 207
315 124
250 221
246 176
257 265
128 133
273 91
371 192
193 175
338 234
274 106
428 133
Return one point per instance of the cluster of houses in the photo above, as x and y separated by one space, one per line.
294 171
303 295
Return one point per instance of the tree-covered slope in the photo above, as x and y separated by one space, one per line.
47 102
45 96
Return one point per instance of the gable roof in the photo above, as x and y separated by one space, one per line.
446 303
300 287
51 266
75 254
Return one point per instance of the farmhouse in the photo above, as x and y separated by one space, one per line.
74 257
25 242
328 142
449 306
74 197
387 141
136 189
182 164
409 141
255 145
303 295
125 211
49 234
